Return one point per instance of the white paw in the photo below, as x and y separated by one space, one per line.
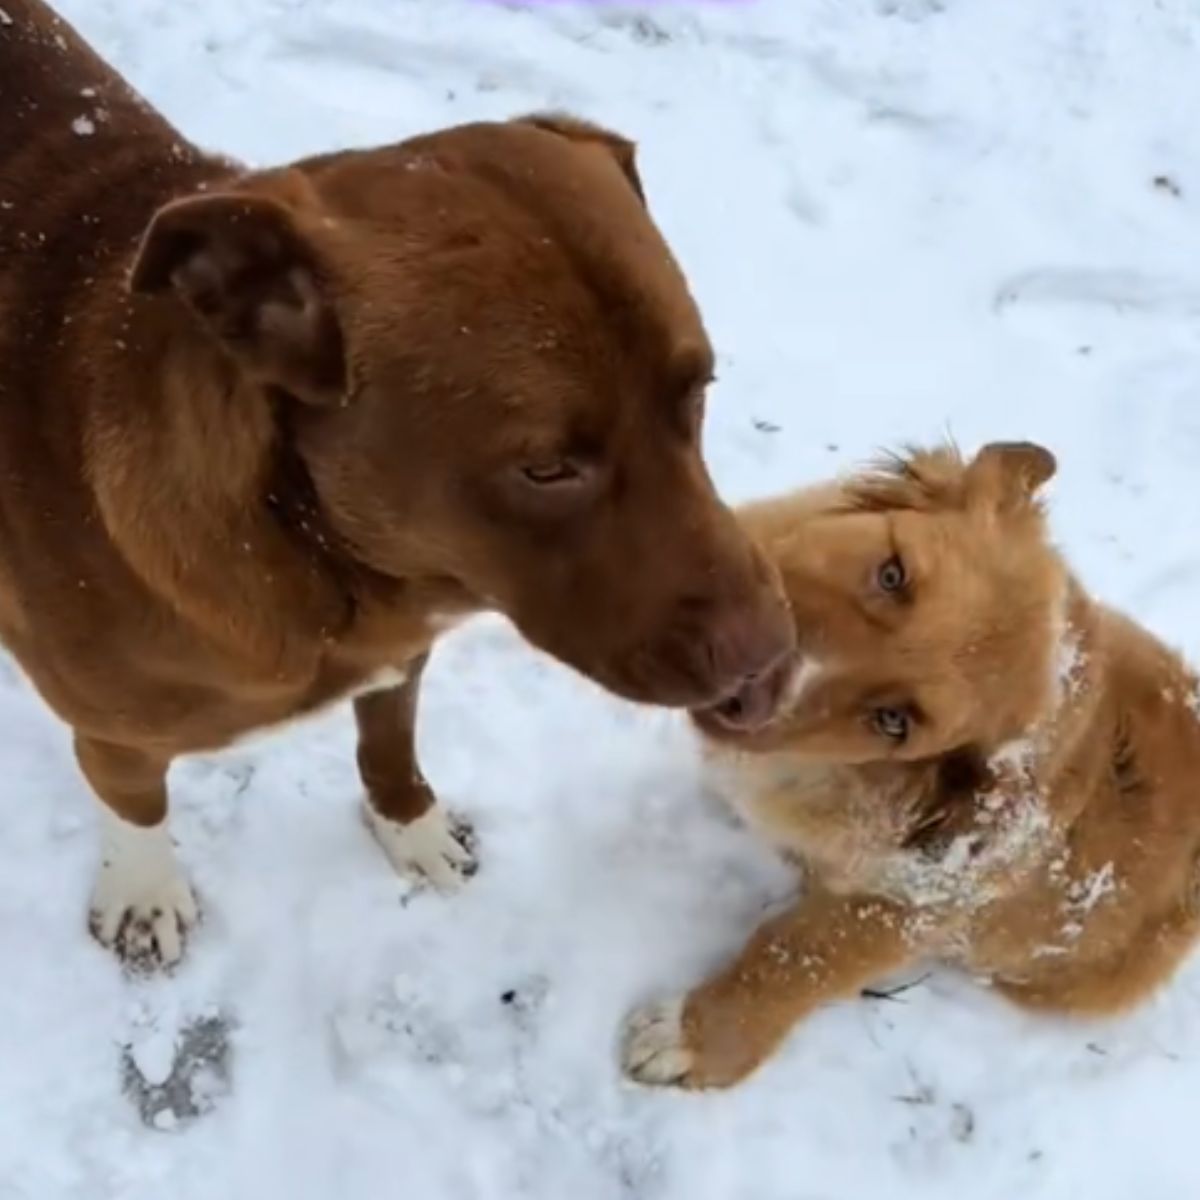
430 847
142 905
654 1049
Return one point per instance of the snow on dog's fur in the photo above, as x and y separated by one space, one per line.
983 767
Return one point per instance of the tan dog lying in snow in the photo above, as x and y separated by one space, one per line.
977 763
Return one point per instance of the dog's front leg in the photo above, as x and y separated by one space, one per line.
142 904
401 809
824 949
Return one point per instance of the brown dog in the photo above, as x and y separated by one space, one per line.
263 435
976 762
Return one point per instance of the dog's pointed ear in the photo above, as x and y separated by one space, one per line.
1008 474
575 129
242 264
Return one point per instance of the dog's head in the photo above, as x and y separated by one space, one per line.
491 368
928 605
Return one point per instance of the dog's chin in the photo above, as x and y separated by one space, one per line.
749 712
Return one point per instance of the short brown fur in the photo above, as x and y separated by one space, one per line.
265 433
1037 824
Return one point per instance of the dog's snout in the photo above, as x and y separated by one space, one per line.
742 642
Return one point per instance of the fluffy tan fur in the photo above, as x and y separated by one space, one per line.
1026 807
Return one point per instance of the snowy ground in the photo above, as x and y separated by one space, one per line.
901 217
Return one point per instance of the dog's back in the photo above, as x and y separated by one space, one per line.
84 163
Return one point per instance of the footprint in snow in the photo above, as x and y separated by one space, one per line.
174 1076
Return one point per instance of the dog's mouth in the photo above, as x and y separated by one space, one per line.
753 706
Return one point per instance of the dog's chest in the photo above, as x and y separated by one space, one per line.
842 830
853 832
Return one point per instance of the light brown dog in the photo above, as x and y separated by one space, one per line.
976 762
264 435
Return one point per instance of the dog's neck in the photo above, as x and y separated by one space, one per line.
203 493
1082 653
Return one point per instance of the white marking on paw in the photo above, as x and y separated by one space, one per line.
426 847
654 1049
142 904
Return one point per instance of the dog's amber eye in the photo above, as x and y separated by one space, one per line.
892 723
548 474
892 576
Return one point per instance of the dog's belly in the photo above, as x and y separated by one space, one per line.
297 714
191 702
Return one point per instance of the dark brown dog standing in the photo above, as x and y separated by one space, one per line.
263 435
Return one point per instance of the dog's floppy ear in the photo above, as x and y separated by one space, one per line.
1008 474
240 261
577 130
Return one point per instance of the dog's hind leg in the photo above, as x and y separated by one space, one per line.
1115 984
142 904
401 809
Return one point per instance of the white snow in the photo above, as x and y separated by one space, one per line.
1069 666
965 874
1086 893
154 1056
902 218
1193 701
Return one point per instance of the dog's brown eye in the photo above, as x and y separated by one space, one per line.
548 474
892 723
892 576
549 489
